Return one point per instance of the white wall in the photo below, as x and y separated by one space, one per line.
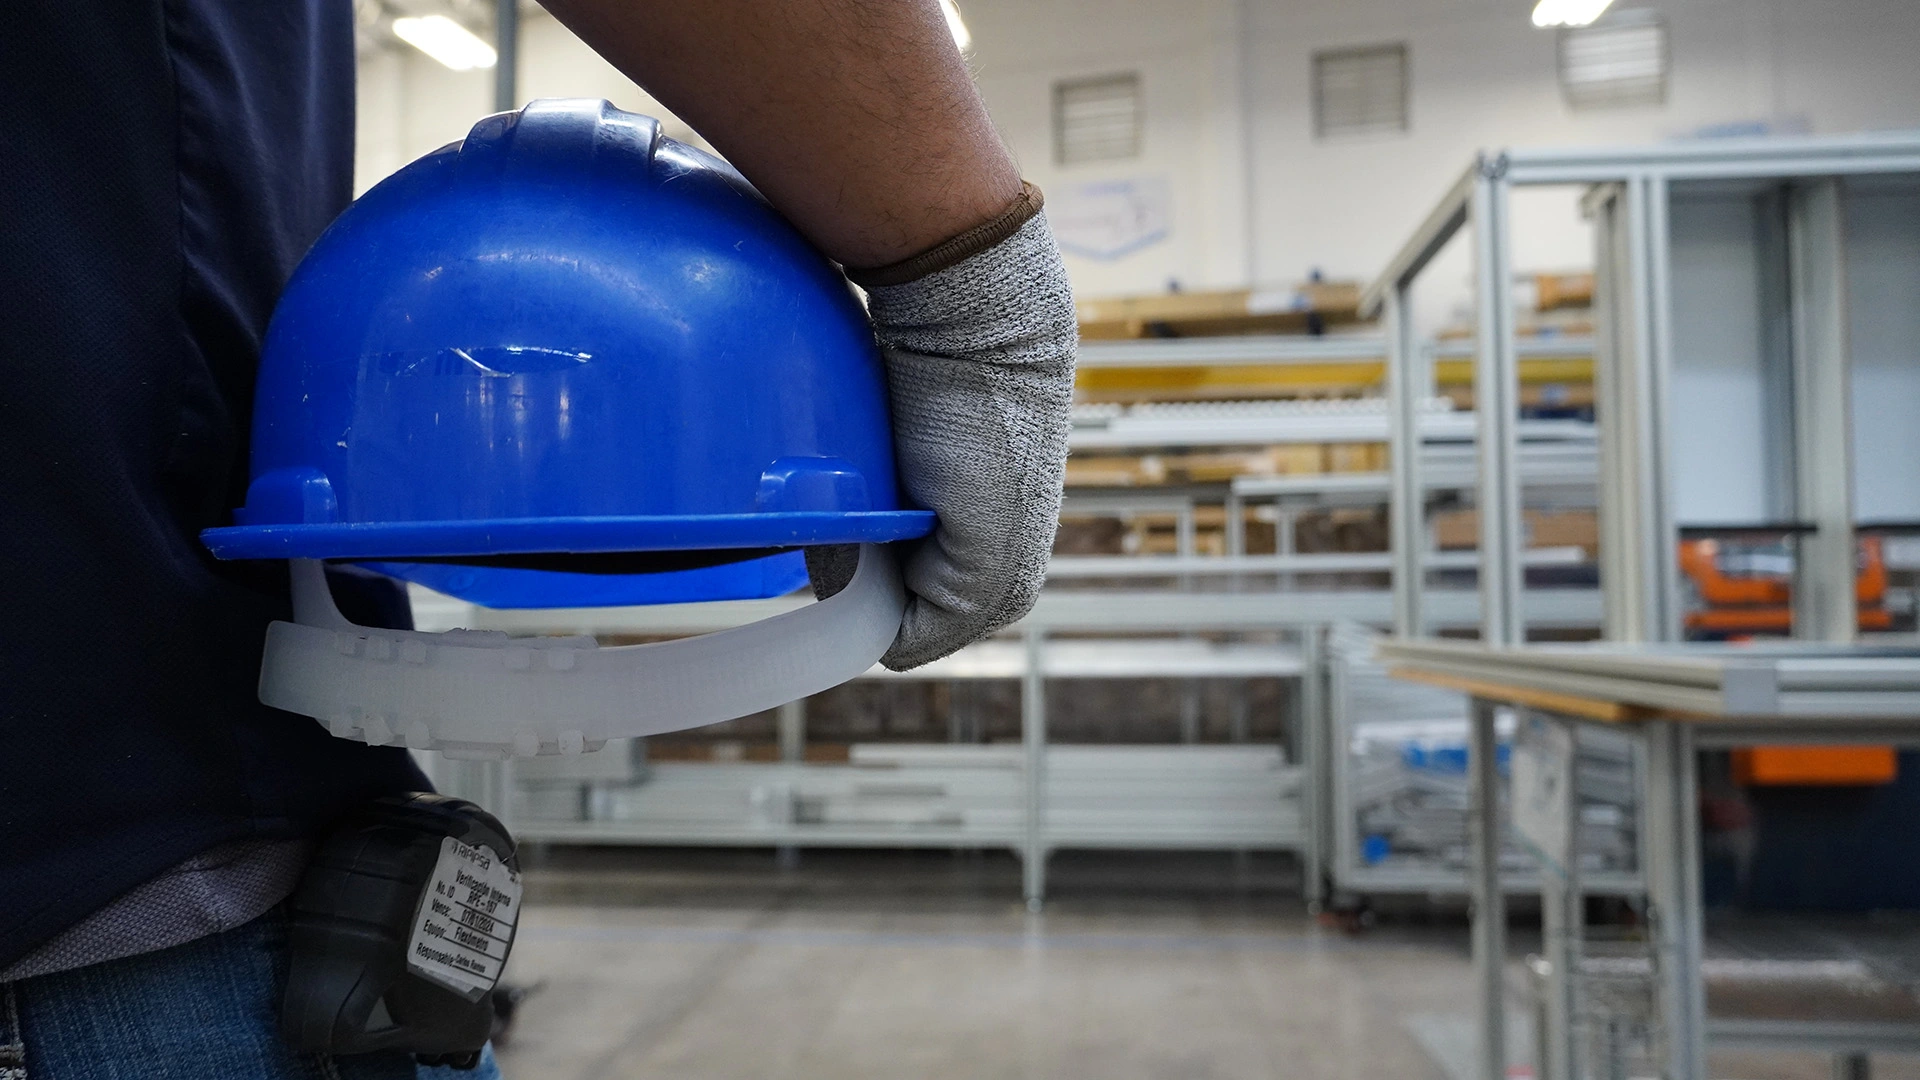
1482 76
1716 401
409 105
1255 198
1193 135
1883 278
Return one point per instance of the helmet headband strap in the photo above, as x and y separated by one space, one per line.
486 695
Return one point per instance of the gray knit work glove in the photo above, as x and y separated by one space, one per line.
979 362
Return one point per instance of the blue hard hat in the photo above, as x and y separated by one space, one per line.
568 335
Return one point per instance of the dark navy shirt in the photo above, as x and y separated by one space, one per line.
163 166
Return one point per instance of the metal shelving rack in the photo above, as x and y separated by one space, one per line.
1739 384
1559 467
1297 790
1233 595
1793 196
1241 797
1361 699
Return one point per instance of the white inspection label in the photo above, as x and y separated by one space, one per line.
1544 806
464 925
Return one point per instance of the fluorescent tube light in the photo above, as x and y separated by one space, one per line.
446 41
1568 12
957 25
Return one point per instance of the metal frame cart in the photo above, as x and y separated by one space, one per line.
1802 213
1672 701
1755 371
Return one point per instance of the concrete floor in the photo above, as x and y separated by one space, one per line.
718 965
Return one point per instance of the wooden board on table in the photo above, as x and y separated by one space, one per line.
1611 712
1225 312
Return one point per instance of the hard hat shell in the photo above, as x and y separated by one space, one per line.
568 333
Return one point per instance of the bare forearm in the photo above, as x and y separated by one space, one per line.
856 118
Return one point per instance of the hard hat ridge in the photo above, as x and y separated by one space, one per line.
567 333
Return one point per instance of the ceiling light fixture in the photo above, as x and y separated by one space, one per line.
446 41
961 36
1568 12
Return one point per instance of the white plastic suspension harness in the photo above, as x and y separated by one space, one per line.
486 695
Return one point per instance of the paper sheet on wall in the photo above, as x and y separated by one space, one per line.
1111 218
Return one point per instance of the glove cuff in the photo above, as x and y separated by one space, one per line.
1010 305
956 249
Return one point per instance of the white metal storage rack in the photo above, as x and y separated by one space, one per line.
1756 414
1417 809
1558 466
1039 798
1803 203
1033 799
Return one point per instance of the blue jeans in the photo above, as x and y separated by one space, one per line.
206 1010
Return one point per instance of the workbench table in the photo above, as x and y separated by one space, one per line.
1673 700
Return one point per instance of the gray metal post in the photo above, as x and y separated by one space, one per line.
1671 850
791 722
1637 543
960 712
1663 533
1284 520
506 42
1824 607
1561 919
1336 830
1775 250
1185 538
1406 502
1618 345
1235 509
1483 890
1559 1054
791 719
1312 745
1189 711
1496 402
1539 977
1033 737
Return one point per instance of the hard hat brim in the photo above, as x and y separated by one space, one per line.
426 539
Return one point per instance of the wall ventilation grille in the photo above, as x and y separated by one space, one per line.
1096 119
1618 62
1360 91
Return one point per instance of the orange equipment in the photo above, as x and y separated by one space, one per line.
1809 765
1747 588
